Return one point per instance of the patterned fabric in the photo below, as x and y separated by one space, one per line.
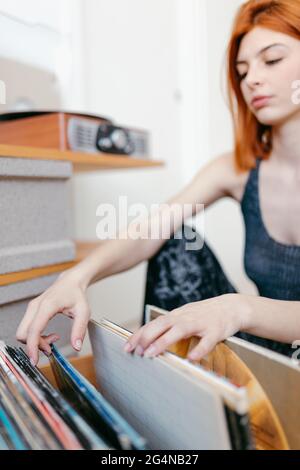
176 276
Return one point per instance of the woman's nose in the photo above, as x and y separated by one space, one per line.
254 77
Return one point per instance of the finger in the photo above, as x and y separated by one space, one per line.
163 323
26 321
46 311
176 333
52 338
132 342
204 347
80 324
143 337
45 341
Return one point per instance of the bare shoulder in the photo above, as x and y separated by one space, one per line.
232 182
214 181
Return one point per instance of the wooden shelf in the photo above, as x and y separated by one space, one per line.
82 162
83 248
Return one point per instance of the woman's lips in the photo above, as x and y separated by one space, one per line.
258 103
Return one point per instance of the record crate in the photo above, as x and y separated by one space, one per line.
223 361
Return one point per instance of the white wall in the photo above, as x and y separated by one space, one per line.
131 75
47 14
31 32
45 35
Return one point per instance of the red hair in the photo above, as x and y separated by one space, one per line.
252 138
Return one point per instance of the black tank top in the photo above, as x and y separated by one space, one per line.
274 267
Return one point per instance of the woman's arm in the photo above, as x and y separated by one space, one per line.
68 294
215 320
273 319
214 181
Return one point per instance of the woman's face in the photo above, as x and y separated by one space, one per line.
268 63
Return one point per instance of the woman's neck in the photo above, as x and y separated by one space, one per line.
286 144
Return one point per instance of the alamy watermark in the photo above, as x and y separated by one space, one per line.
296 354
296 93
2 92
160 222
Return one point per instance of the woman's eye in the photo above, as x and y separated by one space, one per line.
242 76
272 62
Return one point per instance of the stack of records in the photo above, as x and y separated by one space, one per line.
35 416
239 397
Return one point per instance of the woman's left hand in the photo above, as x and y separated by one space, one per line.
212 320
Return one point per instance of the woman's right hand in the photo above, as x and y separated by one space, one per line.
66 296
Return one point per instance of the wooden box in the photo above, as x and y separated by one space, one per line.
85 366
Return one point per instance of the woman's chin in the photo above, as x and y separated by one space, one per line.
268 117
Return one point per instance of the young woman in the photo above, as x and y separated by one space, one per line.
262 173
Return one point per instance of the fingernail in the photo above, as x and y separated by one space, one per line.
32 362
192 357
78 344
128 348
139 350
150 352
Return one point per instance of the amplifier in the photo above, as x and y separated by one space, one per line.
72 131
